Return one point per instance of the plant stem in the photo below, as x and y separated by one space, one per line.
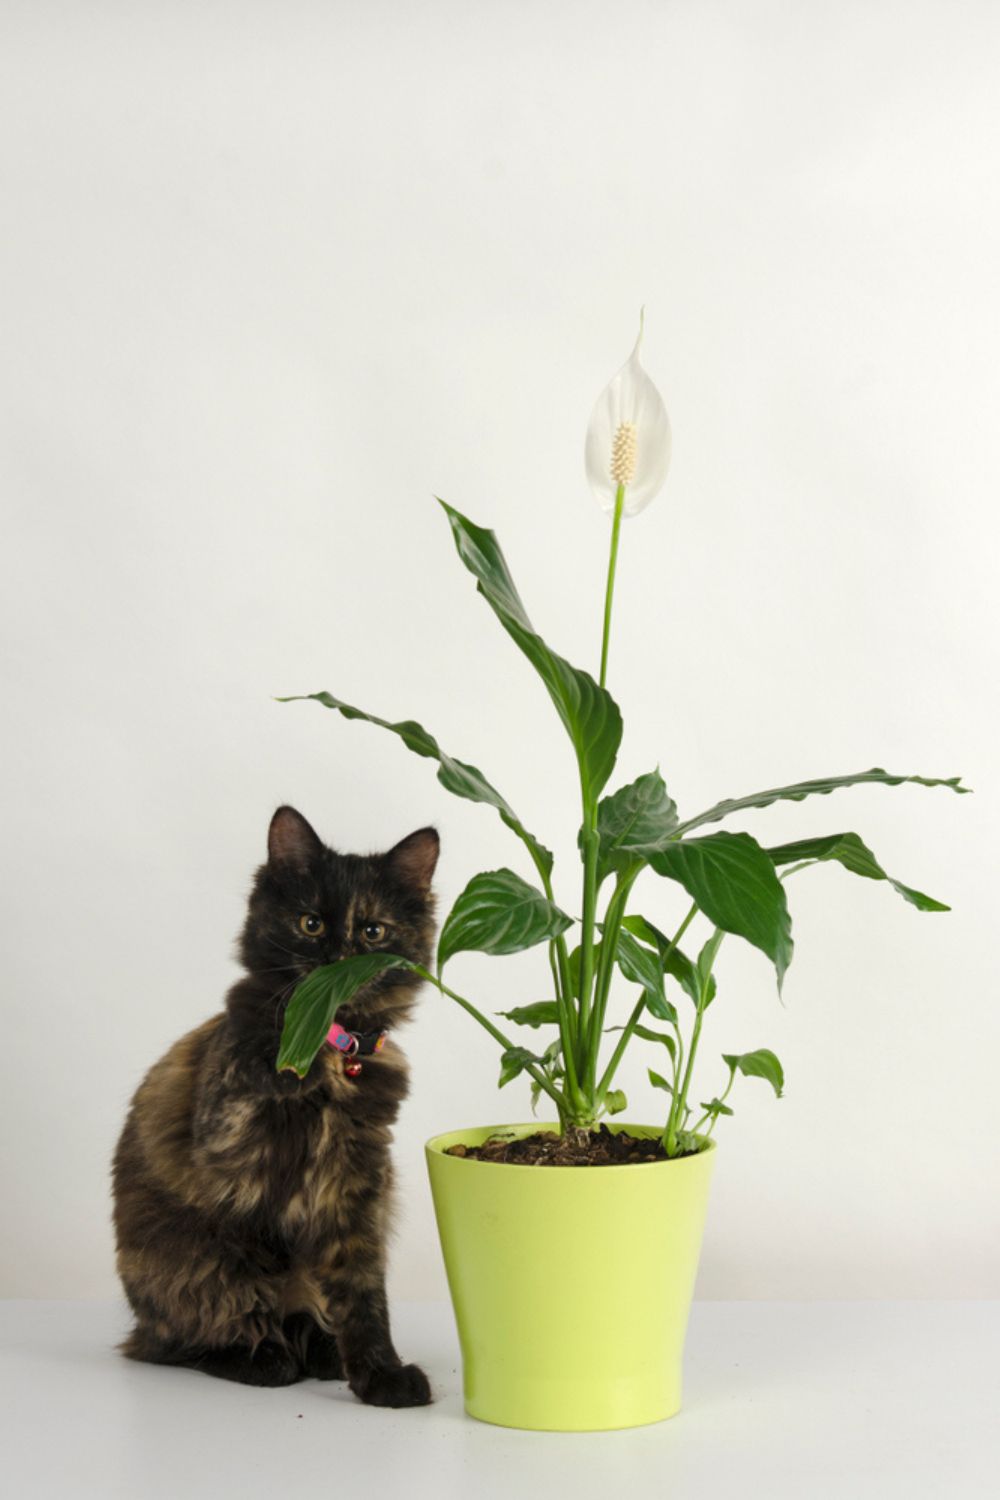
610 592
558 946
575 1097
605 969
636 1015
567 1016
496 1033
587 1062
678 1067
565 1033
564 999
675 1121
721 1100
591 844
622 1043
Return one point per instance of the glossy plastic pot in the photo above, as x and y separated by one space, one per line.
571 1285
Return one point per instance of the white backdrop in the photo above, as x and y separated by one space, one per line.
276 273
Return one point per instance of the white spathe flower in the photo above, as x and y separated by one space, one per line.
628 438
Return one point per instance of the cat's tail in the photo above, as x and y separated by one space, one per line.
154 1344
144 1343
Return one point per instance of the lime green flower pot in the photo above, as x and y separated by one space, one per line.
571 1285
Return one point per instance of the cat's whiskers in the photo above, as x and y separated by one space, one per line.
275 944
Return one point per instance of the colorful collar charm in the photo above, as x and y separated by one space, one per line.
355 1044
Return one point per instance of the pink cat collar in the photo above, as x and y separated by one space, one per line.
354 1042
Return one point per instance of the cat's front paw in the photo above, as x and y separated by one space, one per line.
393 1385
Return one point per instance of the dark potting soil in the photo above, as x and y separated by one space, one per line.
592 1148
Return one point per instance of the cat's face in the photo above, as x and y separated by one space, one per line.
311 906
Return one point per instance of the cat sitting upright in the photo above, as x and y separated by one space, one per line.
251 1206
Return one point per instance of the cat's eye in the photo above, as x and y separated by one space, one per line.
373 932
311 925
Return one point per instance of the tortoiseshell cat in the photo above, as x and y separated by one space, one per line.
251 1206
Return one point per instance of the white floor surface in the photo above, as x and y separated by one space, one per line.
810 1400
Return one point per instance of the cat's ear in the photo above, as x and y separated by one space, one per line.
414 859
292 843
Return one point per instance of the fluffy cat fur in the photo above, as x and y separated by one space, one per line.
251 1206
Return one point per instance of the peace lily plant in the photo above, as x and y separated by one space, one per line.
732 882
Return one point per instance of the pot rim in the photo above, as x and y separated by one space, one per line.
431 1147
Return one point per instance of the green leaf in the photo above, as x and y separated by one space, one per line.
457 777
683 970
642 966
703 967
659 1082
716 1107
802 789
498 912
759 1064
650 1036
514 1061
734 883
848 850
673 960
588 711
615 1101
542 1013
551 1058
315 1003
632 823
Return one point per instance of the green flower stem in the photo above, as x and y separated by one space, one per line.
494 1032
636 1017
586 1059
610 592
